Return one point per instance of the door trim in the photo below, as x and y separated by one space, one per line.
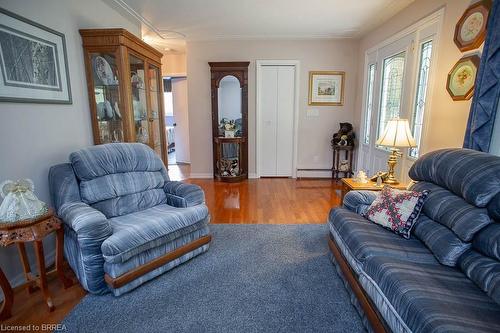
258 69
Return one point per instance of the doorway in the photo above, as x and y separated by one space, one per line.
277 116
176 120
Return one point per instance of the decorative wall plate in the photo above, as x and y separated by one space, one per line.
461 79
103 71
470 30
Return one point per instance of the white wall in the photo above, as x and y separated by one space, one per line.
173 64
180 106
36 136
448 118
314 133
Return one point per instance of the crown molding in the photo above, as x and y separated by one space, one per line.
146 22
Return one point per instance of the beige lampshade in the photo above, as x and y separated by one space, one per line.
397 134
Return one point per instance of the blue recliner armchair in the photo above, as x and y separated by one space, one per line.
125 222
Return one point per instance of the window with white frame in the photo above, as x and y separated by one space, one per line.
397 83
417 118
392 89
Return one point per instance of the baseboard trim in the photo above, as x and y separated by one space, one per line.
314 174
201 175
253 176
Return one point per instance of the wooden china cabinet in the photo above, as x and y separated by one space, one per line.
125 88
229 85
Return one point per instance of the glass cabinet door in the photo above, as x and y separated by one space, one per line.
139 102
107 97
155 95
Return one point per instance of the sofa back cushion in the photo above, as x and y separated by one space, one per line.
120 178
471 175
462 184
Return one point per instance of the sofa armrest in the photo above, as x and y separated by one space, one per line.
183 195
84 220
359 201
86 229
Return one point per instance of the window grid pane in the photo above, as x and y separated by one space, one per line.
421 95
369 103
392 88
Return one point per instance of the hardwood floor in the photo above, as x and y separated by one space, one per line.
270 200
265 200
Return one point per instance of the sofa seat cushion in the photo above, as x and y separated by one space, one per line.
428 297
140 231
360 239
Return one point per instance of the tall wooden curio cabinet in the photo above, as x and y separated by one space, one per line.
229 85
125 88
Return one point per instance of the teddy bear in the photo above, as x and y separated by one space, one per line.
345 136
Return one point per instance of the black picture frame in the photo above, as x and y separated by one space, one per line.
33 62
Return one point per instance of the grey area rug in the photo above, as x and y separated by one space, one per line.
254 278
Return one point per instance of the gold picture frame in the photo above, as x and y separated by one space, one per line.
462 77
326 88
470 30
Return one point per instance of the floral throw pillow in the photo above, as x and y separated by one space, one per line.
396 210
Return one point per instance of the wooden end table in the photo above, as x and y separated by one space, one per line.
34 231
349 184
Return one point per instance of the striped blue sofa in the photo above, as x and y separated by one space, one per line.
125 222
446 277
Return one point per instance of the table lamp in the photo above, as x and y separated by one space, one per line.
396 135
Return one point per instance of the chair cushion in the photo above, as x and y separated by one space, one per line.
111 158
430 297
120 178
396 210
470 174
360 239
137 232
119 184
443 243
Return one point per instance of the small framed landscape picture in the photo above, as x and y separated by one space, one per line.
326 88
33 62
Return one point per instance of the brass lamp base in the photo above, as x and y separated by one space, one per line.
391 162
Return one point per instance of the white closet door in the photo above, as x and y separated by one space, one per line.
285 107
268 121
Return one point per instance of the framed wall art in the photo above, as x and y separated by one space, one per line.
33 62
326 88
461 79
470 30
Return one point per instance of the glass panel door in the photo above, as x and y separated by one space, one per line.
392 88
139 102
107 97
155 95
417 119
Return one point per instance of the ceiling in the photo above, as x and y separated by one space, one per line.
167 24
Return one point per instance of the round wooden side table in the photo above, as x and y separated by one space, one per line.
34 230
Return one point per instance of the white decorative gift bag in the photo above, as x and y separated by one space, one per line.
19 202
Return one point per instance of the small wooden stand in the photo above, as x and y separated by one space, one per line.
348 152
350 184
32 231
